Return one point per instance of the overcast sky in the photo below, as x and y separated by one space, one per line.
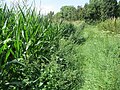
52 5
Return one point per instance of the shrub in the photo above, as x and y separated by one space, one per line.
110 25
77 37
71 64
67 29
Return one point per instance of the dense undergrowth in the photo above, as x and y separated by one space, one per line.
31 56
37 53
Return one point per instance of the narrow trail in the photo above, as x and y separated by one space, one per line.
101 68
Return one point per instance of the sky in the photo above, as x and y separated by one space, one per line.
51 5
55 5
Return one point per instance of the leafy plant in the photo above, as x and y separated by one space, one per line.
110 25
28 46
66 30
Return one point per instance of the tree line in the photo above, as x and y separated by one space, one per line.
95 10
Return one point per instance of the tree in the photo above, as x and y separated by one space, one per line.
58 15
118 11
92 11
69 12
100 10
80 13
108 9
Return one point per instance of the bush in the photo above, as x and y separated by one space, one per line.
77 37
70 62
67 29
110 25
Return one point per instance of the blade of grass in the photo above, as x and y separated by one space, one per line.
22 13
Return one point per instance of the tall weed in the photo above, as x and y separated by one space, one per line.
111 26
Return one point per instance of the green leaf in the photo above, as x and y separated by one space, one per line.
22 12
7 55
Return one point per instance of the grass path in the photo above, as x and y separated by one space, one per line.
101 69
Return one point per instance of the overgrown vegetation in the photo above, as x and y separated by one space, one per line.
29 52
56 52
101 62
112 26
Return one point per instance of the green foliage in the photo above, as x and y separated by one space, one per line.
110 25
50 15
95 11
118 11
77 37
68 13
100 10
108 9
71 62
99 56
67 29
37 53
28 39
92 12
58 16
30 56
80 13
101 62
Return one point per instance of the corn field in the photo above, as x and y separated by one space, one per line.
28 58
40 52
